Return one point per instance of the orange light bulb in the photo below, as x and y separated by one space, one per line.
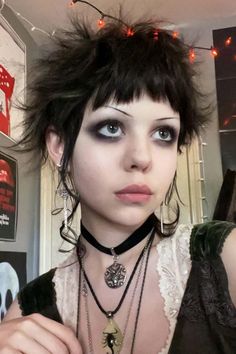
101 23
130 32
192 55
175 34
214 52
228 41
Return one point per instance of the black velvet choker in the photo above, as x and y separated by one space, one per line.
137 236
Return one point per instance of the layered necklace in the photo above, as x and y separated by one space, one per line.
115 274
112 337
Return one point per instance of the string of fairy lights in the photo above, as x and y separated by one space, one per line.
101 22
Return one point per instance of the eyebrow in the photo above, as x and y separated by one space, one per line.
119 110
164 118
129 115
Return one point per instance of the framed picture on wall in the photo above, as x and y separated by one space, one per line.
12 80
8 197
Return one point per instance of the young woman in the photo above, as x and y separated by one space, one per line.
112 109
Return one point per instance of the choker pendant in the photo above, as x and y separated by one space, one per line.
112 339
115 274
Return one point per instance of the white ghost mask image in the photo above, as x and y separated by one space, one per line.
8 282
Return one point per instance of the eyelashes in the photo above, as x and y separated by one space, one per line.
112 129
109 129
165 134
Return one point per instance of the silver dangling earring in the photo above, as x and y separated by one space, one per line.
63 193
162 217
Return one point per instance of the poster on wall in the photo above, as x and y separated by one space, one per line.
12 278
6 91
8 197
12 80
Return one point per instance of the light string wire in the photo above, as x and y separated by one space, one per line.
101 23
130 32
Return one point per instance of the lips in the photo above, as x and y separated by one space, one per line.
134 193
135 189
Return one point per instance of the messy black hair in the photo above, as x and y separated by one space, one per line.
118 62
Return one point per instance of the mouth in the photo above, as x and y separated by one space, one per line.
134 193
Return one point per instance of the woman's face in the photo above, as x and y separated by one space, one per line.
124 160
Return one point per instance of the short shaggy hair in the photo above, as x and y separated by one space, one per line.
95 66
119 62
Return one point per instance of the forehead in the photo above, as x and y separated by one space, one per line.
141 107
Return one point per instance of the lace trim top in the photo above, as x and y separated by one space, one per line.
173 266
66 279
197 301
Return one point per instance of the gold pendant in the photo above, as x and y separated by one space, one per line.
112 338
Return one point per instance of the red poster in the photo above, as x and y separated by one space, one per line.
6 89
8 197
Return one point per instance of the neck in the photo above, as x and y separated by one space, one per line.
108 234
135 238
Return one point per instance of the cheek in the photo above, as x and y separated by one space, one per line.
165 168
89 169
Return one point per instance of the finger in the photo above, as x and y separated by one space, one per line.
22 343
44 337
9 350
63 333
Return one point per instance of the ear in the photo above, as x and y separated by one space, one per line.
55 146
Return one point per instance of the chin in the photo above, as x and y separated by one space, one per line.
132 218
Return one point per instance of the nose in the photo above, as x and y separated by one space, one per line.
138 155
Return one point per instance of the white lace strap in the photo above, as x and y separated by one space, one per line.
173 267
66 281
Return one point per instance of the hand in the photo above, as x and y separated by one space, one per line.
36 334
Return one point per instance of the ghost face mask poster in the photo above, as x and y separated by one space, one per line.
8 197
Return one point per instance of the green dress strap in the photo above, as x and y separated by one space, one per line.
39 296
206 321
207 239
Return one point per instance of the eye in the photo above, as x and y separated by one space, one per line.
110 130
166 134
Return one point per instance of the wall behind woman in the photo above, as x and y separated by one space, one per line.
201 32
27 236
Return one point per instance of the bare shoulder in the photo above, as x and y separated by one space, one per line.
13 312
228 256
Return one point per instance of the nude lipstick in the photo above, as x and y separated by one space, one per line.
134 193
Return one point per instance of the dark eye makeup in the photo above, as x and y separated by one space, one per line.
109 129
165 134
113 129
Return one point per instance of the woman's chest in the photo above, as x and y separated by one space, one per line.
141 322
146 316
